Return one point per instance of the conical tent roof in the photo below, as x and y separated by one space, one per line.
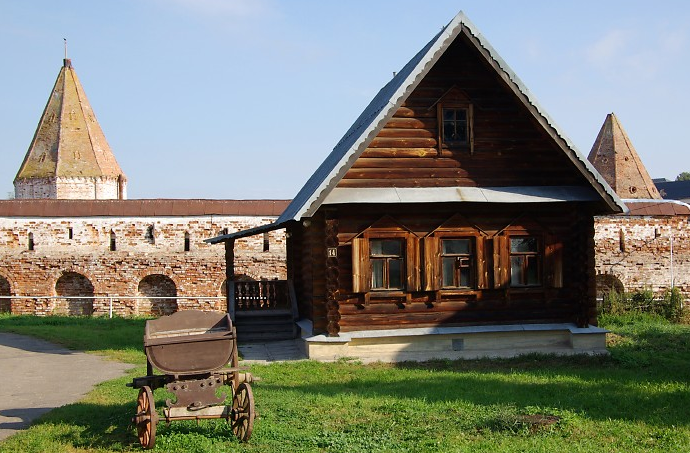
614 156
68 141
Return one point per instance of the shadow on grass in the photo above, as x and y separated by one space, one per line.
87 425
645 379
110 427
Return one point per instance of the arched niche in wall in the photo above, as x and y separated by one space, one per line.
606 283
75 295
5 292
158 293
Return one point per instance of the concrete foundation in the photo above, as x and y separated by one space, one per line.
398 345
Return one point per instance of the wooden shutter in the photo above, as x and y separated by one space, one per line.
361 269
432 268
553 260
412 260
501 260
482 270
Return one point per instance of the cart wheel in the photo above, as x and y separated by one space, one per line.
243 412
146 418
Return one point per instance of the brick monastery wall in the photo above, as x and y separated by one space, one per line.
149 260
636 250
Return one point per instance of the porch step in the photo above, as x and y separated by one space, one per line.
265 325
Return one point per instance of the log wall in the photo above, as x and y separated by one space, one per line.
568 301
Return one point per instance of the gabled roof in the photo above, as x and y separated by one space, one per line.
68 141
322 183
614 156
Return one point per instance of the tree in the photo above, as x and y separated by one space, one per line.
685 176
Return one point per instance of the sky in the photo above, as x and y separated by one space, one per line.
243 99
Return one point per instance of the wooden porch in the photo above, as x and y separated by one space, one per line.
264 310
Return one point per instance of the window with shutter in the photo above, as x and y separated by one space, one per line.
525 261
387 264
381 263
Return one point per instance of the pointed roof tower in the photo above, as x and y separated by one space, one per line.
69 156
614 156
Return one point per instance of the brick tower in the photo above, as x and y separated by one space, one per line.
69 157
614 156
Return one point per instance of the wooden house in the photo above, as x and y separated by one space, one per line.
453 219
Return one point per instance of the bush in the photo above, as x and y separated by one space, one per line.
668 306
672 306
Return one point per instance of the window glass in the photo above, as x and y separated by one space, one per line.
387 264
524 261
516 271
377 274
456 263
455 125
456 246
448 271
522 245
395 274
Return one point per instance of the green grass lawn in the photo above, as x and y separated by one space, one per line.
635 400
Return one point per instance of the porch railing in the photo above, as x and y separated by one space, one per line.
261 295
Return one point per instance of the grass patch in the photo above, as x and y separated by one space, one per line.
635 400
117 338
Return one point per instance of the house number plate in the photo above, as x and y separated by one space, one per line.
332 252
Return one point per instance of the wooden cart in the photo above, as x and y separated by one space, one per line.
192 349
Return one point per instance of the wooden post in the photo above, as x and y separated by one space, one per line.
230 277
332 274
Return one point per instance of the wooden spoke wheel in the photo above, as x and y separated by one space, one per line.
146 418
243 412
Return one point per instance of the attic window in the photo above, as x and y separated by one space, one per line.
455 118
454 128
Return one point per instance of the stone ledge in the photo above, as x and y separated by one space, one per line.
470 342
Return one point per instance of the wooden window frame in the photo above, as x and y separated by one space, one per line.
433 264
459 145
362 266
538 256
471 258
386 261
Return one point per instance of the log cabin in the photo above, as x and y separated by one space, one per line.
453 219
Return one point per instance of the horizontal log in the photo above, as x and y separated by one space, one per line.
411 112
411 123
400 173
402 162
387 152
389 132
383 142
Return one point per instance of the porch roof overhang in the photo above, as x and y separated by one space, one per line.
517 194
246 233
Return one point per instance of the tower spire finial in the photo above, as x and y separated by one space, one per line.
66 62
